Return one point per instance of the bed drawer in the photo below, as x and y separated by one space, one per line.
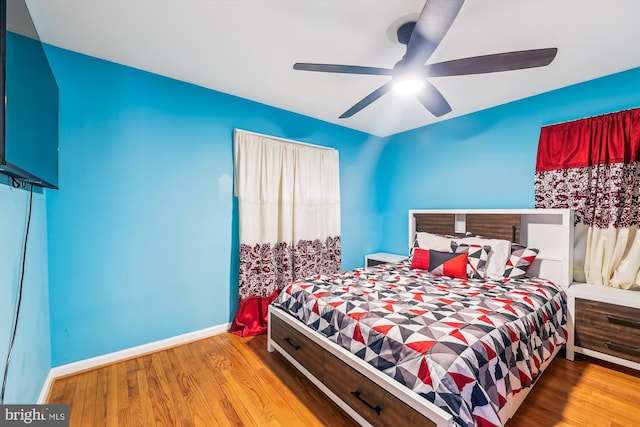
608 328
371 401
305 351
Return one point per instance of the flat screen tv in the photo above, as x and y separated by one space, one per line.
29 116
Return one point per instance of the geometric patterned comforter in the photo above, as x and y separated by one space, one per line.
465 345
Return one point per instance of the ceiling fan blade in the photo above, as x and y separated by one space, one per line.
432 25
367 100
344 69
433 100
492 63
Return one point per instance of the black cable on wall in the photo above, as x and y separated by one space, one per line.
14 327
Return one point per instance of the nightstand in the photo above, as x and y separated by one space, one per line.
605 324
381 257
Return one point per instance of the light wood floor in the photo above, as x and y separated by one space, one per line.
226 380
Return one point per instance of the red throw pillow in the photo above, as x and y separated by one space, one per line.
420 259
441 263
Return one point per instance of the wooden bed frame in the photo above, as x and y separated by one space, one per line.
370 396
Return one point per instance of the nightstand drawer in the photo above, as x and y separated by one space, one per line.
612 317
617 344
608 328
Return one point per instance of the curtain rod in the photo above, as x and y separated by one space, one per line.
291 141
591 117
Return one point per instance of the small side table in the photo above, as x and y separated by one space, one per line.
371 260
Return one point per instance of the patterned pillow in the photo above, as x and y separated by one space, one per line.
520 260
441 263
500 251
477 261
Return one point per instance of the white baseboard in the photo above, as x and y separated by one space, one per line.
106 359
46 387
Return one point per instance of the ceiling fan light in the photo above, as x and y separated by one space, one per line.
408 85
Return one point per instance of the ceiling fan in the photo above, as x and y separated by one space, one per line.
422 39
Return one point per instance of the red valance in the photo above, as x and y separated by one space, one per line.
607 139
592 165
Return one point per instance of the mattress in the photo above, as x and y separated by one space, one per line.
466 345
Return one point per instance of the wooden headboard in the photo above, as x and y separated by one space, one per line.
436 223
549 230
505 226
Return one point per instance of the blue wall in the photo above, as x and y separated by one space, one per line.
141 230
486 159
31 358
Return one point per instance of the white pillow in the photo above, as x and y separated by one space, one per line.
498 257
434 241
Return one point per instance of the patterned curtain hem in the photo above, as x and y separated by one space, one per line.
265 269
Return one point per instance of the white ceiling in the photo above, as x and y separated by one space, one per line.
247 48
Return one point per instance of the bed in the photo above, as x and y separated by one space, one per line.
396 344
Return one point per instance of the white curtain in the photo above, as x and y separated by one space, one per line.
613 257
289 213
